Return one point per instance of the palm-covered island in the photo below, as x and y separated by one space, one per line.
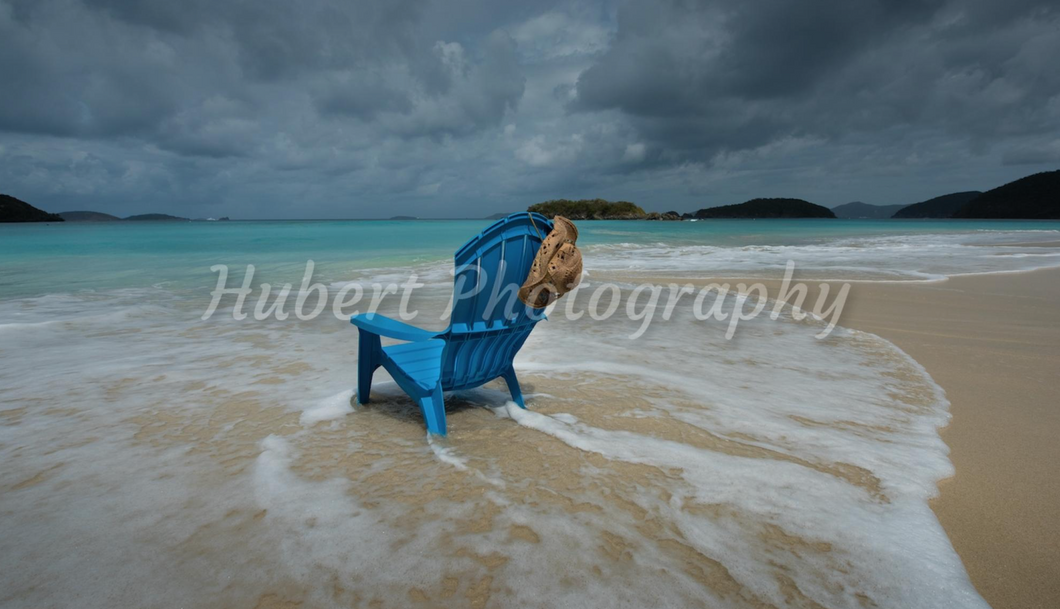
590 209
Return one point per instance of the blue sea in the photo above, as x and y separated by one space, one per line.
38 259
156 458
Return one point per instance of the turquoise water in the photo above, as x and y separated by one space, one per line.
38 259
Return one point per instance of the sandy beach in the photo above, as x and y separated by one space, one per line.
993 343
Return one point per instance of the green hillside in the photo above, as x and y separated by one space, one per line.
1035 197
590 209
17 210
858 210
88 216
938 207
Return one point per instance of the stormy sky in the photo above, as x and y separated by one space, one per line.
373 108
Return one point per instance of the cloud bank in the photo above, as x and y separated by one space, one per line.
328 109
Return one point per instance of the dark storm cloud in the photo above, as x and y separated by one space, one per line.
276 39
676 58
104 68
331 108
726 75
465 94
317 89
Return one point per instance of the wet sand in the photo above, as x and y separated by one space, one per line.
993 343
280 512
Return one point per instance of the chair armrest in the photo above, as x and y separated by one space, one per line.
391 328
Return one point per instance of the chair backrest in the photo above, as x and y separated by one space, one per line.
489 322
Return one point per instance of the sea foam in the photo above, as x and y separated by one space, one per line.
155 459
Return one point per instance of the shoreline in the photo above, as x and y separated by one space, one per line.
992 342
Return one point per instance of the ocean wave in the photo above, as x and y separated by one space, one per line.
914 257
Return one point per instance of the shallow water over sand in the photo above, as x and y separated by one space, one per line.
154 459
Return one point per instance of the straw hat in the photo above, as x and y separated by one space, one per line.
557 267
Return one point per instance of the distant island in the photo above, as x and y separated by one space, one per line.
600 209
1035 197
666 215
858 211
88 216
96 216
590 209
767 208
155 218
938 207
17 210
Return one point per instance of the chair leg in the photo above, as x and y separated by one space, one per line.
433 407
513 387
369 350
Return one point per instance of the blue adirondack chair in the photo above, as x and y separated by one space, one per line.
487 327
